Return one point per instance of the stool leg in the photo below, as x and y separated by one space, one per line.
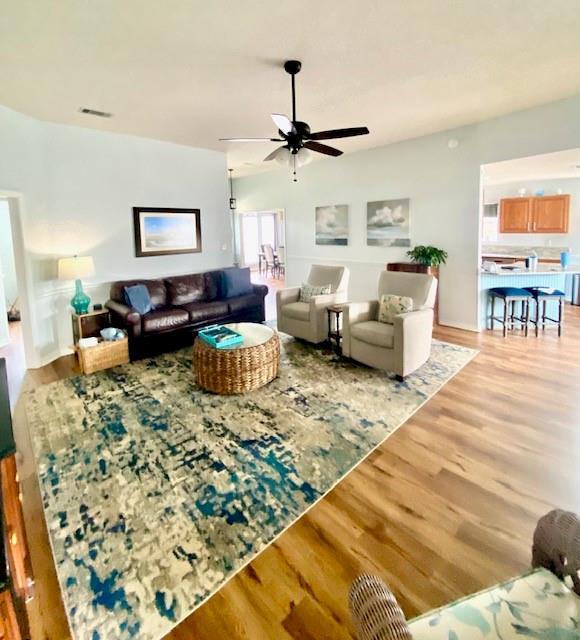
505 317
544 311
537 315
560 316
492 310
527 318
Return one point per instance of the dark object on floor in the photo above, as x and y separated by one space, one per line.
13 312
180 306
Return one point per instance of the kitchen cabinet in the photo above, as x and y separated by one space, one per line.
515 215
535 214
550 214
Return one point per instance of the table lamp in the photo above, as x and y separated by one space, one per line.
76 268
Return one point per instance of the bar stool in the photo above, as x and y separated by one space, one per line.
510 296
541 297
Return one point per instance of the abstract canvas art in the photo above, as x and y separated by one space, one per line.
332 225
388 223
160 231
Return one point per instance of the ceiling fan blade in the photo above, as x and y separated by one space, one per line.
283 123
251 140
322 148
339 133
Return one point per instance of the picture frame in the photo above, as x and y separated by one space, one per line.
165 231
331 225
389 223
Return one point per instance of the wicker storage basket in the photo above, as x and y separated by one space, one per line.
106 354
231 371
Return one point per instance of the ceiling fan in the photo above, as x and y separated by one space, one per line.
296 135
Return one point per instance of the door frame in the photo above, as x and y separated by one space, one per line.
16 212
276 213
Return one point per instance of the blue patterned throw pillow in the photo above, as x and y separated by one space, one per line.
308 291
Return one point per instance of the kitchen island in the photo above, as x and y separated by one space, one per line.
551 276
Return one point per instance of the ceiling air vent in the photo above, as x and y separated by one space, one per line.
95 112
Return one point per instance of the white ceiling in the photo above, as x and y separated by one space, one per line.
194 71
561 164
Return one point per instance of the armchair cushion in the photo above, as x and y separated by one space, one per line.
375 333
297 310
308 291
391 306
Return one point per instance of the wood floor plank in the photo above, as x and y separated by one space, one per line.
446 506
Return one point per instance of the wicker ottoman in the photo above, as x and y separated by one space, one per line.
238 369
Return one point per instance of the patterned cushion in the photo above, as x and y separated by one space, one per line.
308 291
392 306
533 605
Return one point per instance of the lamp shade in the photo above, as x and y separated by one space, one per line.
76 268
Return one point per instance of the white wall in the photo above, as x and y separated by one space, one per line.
7 266
494 193
78 187
444 188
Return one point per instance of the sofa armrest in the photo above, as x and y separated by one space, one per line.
326 299
376 612
260 290
130 318
413 332
361 311
286 296
355 312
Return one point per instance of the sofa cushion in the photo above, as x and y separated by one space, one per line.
182 290
204 311
533 605
308 291
137 297
373 332
248 301
297 310
236 282
391 306
164 319
156 288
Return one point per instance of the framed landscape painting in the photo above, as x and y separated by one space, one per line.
163 232
388 223
332 225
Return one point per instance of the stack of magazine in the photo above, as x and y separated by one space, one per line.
221 337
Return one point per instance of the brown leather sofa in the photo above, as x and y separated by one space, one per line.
181 305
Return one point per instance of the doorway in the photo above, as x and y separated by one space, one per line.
15 336
262 243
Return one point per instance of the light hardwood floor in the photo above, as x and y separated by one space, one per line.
445 506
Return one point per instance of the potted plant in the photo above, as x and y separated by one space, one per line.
428 256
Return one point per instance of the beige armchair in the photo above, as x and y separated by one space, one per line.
308 320
403 346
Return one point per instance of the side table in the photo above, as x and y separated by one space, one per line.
334 312
88 325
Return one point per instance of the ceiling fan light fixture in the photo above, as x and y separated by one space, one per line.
283 156
303 157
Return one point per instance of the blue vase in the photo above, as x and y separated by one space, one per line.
80 301
565 259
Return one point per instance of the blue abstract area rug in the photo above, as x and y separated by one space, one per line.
156 493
